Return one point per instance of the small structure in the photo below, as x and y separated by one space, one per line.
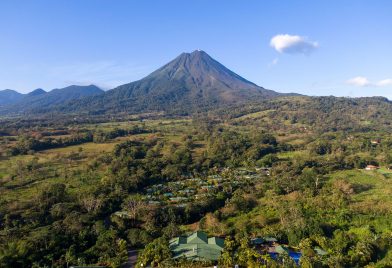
274 252
371 167
168 194
197 246
178 199
270 240
320 251
257 241
280 250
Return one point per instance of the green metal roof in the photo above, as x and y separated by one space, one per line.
198 237
197 246
197 252
217 241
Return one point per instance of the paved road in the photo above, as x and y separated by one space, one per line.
132 258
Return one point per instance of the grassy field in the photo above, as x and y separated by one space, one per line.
291 155
62 165
372 196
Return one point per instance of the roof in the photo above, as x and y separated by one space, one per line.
177 199
197 246
320 251
196 252
216 241
198 237
270 239
280 249
257 241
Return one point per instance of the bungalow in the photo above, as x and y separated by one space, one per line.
197 246
186 191
122 214
168 194
257 241
270 239
154 203
178 199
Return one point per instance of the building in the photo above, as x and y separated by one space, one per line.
371 167
257 241
197 246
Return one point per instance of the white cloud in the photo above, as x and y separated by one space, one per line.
292 44
273 62
359 81
385 82
106 74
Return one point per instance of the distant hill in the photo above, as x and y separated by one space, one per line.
321 114
191 82
9 96
36 92
39 99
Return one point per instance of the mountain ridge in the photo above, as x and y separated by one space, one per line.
36 92
39 98
190 82
9 96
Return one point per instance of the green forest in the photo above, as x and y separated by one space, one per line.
314 174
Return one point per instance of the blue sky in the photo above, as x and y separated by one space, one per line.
341 48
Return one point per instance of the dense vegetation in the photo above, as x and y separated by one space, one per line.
75 193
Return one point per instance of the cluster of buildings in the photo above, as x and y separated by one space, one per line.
199 247
271 246
180 193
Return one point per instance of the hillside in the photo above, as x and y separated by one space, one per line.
41 100
191 82
9 96
293 114
36 92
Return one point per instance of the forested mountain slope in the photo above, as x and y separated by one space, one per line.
8 96
39 100
191 82
318 113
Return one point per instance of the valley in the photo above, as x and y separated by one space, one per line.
148 179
